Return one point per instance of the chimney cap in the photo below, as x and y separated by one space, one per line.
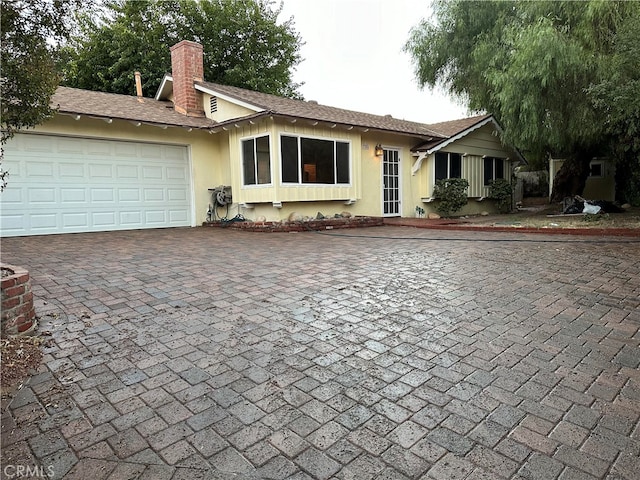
185 43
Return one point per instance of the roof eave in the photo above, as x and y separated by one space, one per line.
165 88
229 98
464 133
364 126
109 119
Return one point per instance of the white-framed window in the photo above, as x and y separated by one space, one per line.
493 169
307 160
448 165
596 169
256 160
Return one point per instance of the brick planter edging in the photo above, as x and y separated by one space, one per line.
18 313
300 226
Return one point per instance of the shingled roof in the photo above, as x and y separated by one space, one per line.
453 127
446 131
74 101
313 111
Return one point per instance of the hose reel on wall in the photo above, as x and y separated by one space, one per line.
220 197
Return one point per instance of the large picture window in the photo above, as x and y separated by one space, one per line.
313 160
256 161
493 169
448 165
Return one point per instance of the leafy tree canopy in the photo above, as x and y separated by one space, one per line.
561 77
29 35
244 45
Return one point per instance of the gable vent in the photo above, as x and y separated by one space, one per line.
213 104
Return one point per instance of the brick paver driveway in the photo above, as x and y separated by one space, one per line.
387 353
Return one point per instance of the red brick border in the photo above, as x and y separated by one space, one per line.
301 226
18 312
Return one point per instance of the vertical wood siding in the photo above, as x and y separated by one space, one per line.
278 192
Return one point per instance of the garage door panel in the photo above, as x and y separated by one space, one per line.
175 153
71 170
75 220
131 218
126 149
73 195
152 173
99 148
153 194
176 173
70 145
43 221
100 195
39 144
150 151
93 185
40 169
178 216
128 195
12 223
176 195
103 219
127 172
100 171
41 195
155 217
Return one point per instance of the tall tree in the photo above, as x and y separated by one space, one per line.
244 44
29 35
530 63
618 98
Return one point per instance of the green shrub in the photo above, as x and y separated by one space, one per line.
502 192
452 195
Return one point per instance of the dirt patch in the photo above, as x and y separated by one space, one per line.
549 216
21 356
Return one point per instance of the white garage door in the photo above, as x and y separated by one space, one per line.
62 184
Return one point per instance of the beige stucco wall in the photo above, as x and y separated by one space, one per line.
215 159
207 153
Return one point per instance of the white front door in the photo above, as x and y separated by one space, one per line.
61 184
391 183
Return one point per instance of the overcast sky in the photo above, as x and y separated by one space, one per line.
353 58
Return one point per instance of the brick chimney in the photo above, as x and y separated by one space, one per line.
187 67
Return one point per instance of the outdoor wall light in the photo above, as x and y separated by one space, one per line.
379 151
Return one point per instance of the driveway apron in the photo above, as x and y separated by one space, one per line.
388 352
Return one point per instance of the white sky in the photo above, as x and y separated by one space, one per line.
353 58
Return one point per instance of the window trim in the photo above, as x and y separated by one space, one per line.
591 165
435 163
242 179
299 183
493 169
